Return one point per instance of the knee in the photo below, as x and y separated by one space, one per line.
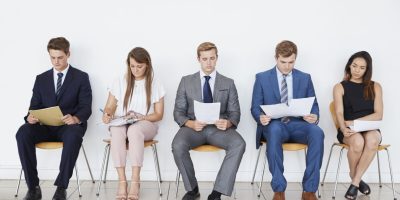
372 144
357 145
135 134
317 133
24 133
239 145
179 146
272 133
73 135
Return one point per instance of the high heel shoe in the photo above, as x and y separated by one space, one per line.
134 195
364 188
351 192
122 196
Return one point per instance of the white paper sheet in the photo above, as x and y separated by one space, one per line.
361 125
296 108
207 112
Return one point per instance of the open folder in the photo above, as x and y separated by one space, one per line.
49 116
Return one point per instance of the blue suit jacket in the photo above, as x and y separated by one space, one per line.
266 92
75 96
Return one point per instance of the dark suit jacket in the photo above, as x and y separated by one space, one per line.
190 89
266 92
75 96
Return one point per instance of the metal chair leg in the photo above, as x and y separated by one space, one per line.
87 162
106 149
337 172
255 167
177 183
262 178
391 174
158 163
157 167
379 169
108 158
327 165
77 181
19 183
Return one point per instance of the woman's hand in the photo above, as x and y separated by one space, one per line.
106 118
347 132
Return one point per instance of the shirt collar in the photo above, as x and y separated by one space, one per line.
55 72
212 75
279 73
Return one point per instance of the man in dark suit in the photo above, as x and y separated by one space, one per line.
278 85
68 88
207 86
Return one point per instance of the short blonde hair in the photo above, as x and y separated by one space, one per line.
206 46
285 49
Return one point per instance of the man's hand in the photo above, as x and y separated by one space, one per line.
311 118
31 119
195 125
223 124
264 119
70 120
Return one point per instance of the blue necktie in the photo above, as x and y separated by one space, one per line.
59 80
207 94
284 96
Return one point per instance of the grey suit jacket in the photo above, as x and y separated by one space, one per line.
190 89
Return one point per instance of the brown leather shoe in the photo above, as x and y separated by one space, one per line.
279 196
309 196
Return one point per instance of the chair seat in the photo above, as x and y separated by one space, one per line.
49 145
207 148
291 146
380 148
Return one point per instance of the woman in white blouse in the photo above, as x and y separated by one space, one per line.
139 96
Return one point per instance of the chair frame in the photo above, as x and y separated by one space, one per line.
58 145
201 148
344 146
286 147
106 158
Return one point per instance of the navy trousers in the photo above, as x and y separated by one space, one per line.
298 131
28 135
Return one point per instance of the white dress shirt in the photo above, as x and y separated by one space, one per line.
289 82
211 81
55 72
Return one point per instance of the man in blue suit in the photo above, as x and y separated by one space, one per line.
278 85
68 88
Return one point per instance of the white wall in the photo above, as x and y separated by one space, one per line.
246 32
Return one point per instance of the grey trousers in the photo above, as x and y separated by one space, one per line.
230 140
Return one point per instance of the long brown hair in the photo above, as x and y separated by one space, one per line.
141 56
369 92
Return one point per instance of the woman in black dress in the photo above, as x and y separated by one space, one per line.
357 97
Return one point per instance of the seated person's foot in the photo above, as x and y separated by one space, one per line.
364 188
192 195
34 194
60 194
309 196
279 196
134 190
122 190
214 195
351 192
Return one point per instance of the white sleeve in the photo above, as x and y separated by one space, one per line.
158 91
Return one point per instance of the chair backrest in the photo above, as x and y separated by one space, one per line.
333 114
49 145
207 148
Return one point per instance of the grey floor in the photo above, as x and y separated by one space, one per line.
149 191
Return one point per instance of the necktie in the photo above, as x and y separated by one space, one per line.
207 94
60 75
284 96
284 90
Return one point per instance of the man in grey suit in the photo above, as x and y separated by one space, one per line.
207 86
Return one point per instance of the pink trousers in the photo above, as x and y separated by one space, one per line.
136 134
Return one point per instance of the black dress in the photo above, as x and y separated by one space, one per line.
354 104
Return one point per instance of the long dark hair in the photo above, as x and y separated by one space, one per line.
369 92
141 56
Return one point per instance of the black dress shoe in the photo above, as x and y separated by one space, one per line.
191 195
34 194
60 194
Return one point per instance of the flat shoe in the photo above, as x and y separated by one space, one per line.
351 192
364 188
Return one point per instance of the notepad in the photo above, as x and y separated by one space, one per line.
49 116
